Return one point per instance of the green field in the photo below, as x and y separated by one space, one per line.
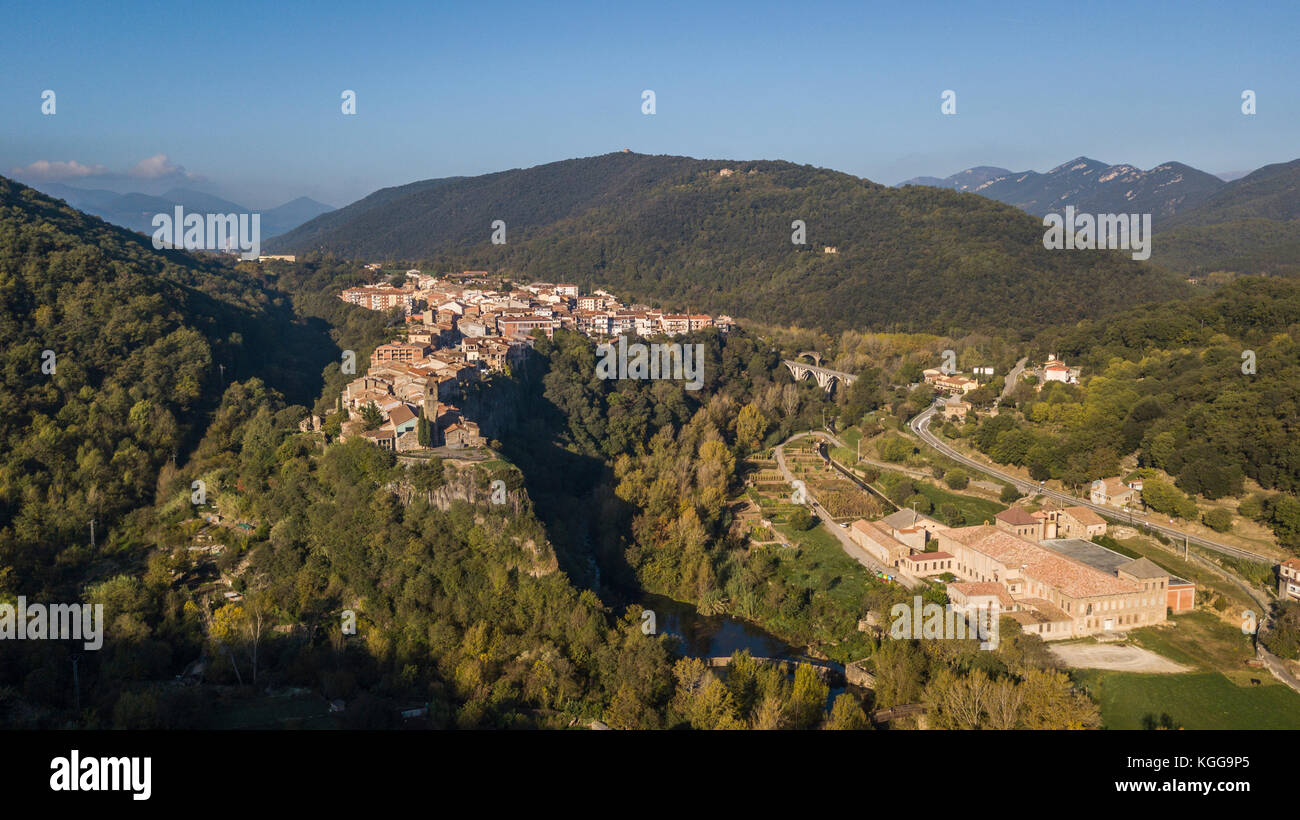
1217 695
976 510
1193 701
822 566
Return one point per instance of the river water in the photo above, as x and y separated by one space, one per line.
717 636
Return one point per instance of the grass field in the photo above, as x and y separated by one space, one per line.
1218 695
822 567
975 510
1193 701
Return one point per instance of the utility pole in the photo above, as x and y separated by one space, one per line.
92 533
222 368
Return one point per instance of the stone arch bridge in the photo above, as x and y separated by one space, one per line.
826 378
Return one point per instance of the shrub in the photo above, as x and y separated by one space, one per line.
801 519
923 504
957 479
1219 520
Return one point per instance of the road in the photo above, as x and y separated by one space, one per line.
1012 379
921 426
851 549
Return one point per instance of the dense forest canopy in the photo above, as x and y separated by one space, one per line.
1207 391
111 356
676 230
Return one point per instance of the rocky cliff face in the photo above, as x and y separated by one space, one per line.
473 484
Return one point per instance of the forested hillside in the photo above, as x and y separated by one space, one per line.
1249 226
1169 384
675 231
111 356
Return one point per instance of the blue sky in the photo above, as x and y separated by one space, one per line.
243 99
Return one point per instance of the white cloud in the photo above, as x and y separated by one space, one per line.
153 167
45 169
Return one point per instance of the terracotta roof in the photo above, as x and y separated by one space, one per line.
401 414
929 556
1070 577
1084 516
972 589
1016 517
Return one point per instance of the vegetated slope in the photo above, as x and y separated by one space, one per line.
1272 192
1207 390
140 346
677 231
1250 225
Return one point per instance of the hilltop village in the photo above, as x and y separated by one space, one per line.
458 328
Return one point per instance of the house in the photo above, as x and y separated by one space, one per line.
912 528
463 434
399 353
966 596
1080 522
878 541
1056 370
473 328
952 383
385 437
955 408
1113 492
402 419
927 563
513 326
1018 521
1288 580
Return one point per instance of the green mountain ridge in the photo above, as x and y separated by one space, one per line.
685 233
141 344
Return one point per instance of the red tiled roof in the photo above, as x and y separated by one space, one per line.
928 556
1040 564
972 589
1084 516
1016 517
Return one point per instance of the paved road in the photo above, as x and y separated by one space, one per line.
854 551
1276 667
1012 378
921 426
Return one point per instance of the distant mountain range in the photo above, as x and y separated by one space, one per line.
1090 186
716 235
1203 224
136 211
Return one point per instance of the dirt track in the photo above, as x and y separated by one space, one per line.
1116 657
